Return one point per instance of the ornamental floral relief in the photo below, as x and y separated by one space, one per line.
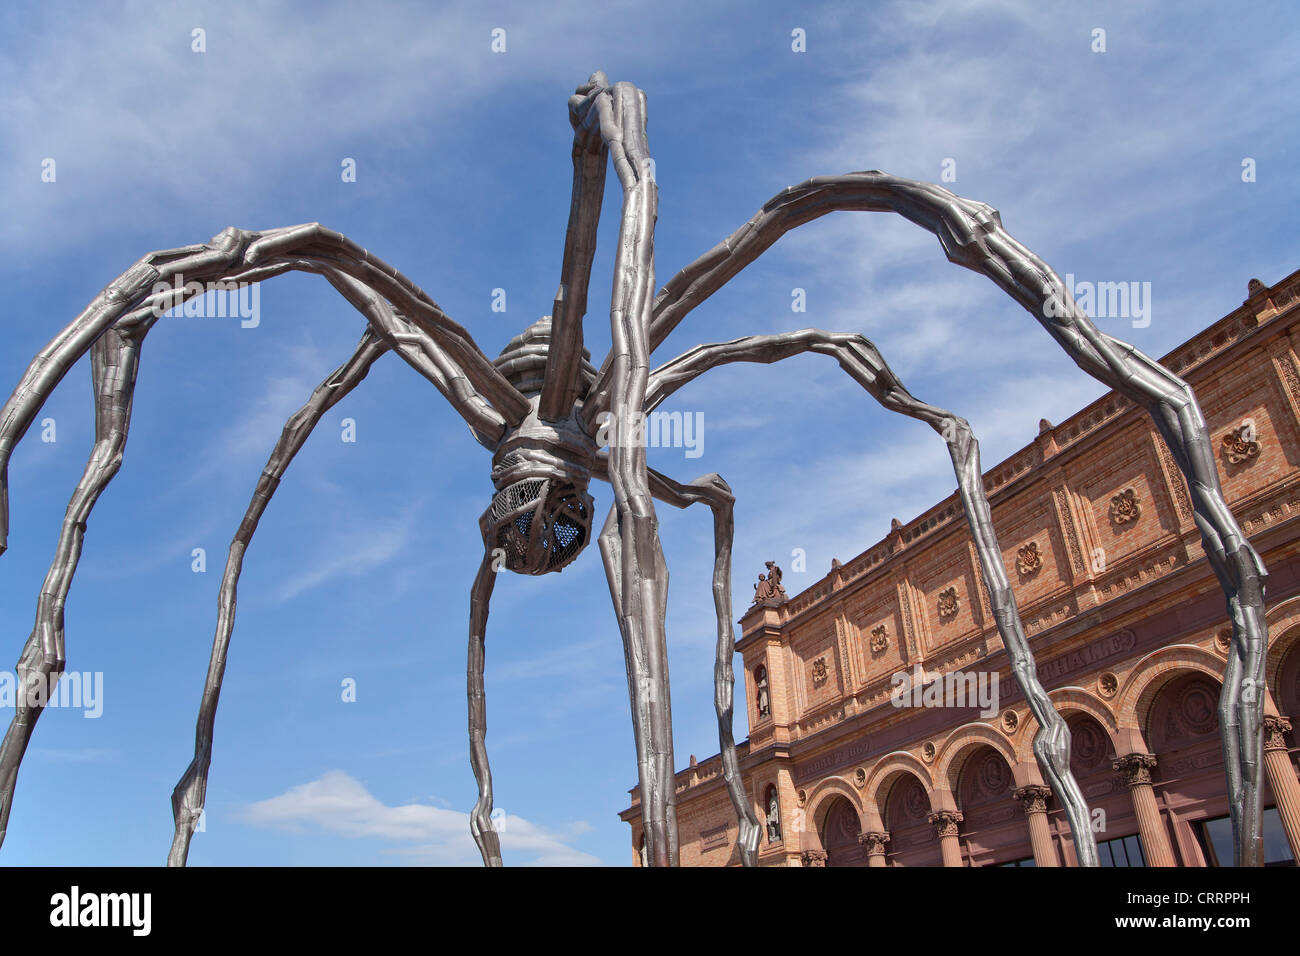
1241 444
879 639
1029 559
948 603
1124 507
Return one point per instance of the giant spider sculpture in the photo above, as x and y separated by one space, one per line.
539 408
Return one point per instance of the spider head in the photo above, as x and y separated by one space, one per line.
538 525
540 516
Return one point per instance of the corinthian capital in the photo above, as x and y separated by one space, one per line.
1034 798
945 821
1275 731
873 841
1135 768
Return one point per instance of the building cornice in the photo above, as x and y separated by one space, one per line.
1270 310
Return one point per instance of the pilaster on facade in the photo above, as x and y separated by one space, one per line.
1286 366
915 619
984 619
847 672
1093 552
908 647
1069 527
1174 485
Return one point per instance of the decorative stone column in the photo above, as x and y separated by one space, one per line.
1034 799
945 825
1136 771
1282 778
874 843
813 858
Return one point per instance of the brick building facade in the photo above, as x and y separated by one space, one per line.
1128 627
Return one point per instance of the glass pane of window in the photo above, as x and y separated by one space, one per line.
1277 852
1121 851
1216 840
1134 847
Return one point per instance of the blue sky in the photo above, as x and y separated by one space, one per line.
1123 165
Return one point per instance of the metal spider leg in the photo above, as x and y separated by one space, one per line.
141 294
640 589
480 820
647 682
315 242
564 354
132 289
419 350
121 316
864 363
190 792
115 358
972 236
1239 569
715 492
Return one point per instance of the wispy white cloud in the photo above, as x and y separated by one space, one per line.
278 86
273 80
340 804
78 755
248 438
360 548
566 659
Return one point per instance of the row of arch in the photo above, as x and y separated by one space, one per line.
900 789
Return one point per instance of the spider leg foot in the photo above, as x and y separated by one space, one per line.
480 820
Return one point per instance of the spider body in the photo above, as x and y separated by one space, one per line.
540 517
539 408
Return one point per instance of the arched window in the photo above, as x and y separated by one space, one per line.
773 815
760 690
